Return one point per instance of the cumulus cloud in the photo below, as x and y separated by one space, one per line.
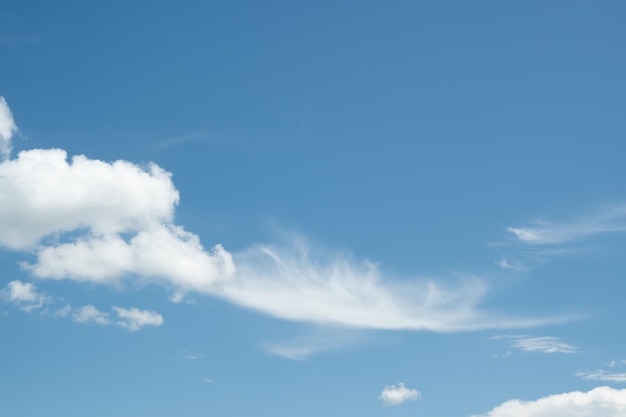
90 220
599 402
24 295
544 344
7 128
397 394
134 319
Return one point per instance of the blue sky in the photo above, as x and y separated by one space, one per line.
312 208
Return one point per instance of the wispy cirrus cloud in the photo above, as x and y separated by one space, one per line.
198 136
601 220
543 239
185 354
606 375
543 344
313 341
599 402
602 375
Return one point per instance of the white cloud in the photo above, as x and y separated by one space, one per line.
602 375
7 128
185 354
168 254
506 265
544 344
63 311
299 284
106 222
134 319
606 219
90 314
314 341
599 402
24 295
397 394
113 219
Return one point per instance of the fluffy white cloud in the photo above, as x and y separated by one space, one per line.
545 344
24 295
90 220
90 314
44 194
397 394
134 319
168 253
599 402
7 128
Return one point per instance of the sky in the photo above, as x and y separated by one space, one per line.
347 208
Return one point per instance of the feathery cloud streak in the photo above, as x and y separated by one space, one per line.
603 375
7 129
544 344
607 219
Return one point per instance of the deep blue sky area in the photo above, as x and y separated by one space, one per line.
421 207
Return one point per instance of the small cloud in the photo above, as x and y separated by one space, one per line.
602 375
90 314
504 264
313 342
64 311
177 297
204 379
502 356
181 297
24 295
185 354
134 319
617 363
183 139
397 394
545 344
